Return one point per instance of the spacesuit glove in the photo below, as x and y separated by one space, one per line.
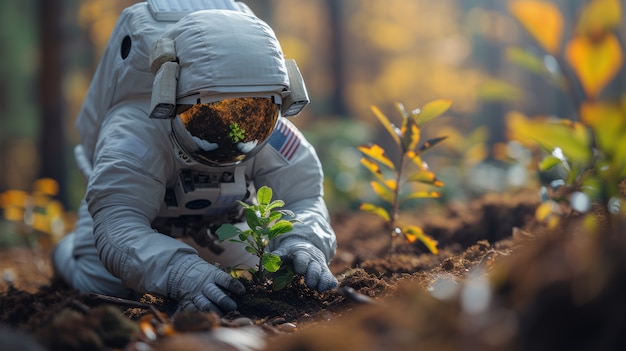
308 261
200 288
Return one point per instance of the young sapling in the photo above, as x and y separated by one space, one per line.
410 169
265 221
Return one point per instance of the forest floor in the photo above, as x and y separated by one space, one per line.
500 282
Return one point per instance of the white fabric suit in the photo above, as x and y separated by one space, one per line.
131 159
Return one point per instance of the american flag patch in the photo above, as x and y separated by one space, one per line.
285 139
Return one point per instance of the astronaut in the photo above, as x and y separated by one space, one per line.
186 114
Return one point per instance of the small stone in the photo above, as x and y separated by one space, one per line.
287 327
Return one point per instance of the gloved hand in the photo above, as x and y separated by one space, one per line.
200 287
308 261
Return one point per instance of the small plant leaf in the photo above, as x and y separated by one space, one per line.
227 231
275 204
431 111
595 61
252 219
416 159
542 20
373 168
607 121
413 233
379 211
251 250
382 191
410 136
280 227
283 277
274 216
599 16
287 213
388 125
271 262
264 195
548 162
422 195
429 144
377 153
426 177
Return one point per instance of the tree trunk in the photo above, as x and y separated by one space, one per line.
52 127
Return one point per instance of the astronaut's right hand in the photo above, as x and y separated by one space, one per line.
200 289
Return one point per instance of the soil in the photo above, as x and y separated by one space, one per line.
501 281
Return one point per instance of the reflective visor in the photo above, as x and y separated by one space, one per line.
228 131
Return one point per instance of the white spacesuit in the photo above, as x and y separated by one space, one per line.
184 116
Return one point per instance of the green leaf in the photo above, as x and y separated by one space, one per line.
274 216
283 277
271 262
227 231
264 195
287 213
275 204
377 153
281 227
432 110
252 219
548 162
251 250
393 131
379 211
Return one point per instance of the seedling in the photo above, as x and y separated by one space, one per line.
591 152
265 222
395 189
236 134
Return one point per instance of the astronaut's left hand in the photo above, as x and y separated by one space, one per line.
308 261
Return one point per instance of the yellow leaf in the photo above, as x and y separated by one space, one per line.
416 159
14 213
546 210
13 198
595 62
47 186
388 126
373 168
378 154
608 122
410 136
432 110
426 177
413 233
382 191
542 20
379 211
599 16
422 195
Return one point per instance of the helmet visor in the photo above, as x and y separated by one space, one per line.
228 131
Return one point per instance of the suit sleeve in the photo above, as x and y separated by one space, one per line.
124 194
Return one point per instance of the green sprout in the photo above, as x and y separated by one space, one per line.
410 169
236 134
265 222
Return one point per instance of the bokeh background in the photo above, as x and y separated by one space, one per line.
353 54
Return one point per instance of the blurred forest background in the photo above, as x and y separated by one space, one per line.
353 54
